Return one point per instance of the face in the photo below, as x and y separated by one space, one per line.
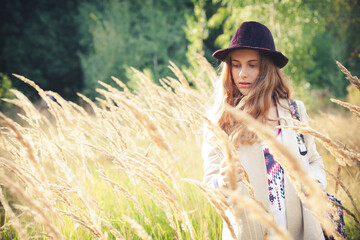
245 68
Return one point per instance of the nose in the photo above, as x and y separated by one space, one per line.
243 73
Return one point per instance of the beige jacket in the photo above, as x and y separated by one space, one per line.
301 224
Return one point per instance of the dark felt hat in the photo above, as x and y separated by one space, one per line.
253 35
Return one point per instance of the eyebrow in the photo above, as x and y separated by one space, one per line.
252 60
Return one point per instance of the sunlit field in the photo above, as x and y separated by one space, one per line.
128 166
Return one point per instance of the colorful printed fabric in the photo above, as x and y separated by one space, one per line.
340 221
275 179
275 175
300 137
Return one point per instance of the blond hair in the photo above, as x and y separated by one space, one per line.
269 85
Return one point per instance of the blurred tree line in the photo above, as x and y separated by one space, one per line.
67 46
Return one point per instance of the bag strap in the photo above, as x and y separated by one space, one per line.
300 137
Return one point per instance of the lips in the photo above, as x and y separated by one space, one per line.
244 84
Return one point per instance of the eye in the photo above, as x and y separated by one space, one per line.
235 65
253 65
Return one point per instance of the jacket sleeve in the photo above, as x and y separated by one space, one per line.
212 157
316 165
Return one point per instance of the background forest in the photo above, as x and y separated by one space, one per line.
67 46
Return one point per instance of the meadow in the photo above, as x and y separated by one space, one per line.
129 166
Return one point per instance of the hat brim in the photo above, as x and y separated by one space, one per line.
279 59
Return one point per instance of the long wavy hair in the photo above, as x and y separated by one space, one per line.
269 85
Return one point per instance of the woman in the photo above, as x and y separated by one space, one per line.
251 80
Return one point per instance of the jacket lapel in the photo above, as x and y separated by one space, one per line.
253 160
288 136
292 201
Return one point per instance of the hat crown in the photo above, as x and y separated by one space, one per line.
253 34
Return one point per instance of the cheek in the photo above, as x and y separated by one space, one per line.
235 73
255 73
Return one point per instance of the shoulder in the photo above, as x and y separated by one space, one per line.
297 102
289 101
292 104
299 108
297 105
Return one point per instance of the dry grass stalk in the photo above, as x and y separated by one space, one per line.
109 88
80 110
340 154
123 144
209 70
164 191
112 96
117 187
90 221
179 75
353 108
21 172
153 164
338 178
6 122
353 79
347 193
42 94
217 200
114 231
151 128
91 103
33 204
64 197
294 169
348 212
155 134
92 217
14 219
257 211
3 142
229 153
164 206
24 103
93 230
206 232
122 85
146 86
153 180
202 88
64 107
107 135
100 149
354 155
138 228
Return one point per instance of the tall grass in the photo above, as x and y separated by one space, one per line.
128 166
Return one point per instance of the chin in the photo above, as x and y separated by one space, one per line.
244 92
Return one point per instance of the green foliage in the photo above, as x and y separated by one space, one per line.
39 41
196 30
353 95
141 34
352 231
5 85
